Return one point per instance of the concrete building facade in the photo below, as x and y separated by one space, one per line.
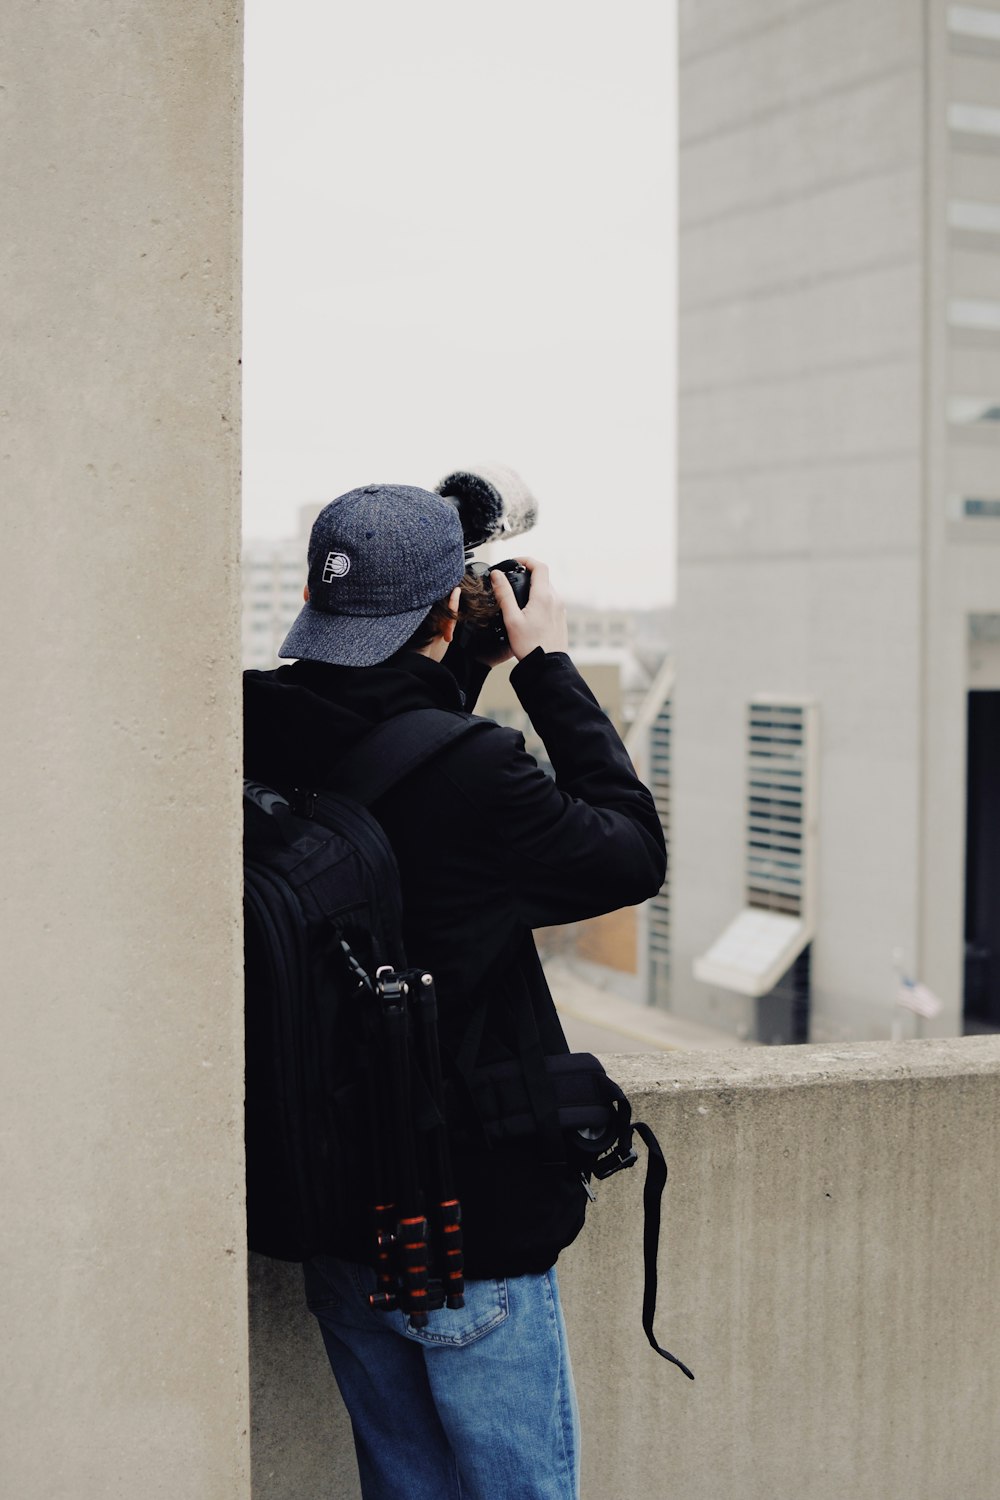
839 543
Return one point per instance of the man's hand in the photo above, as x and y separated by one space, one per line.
542 621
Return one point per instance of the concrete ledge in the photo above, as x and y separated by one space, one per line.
791 1067
830 1268
596 1019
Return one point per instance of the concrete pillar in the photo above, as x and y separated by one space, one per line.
123 1284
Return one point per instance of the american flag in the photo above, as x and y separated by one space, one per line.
919 999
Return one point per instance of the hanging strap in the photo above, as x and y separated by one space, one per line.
394 748
652 1195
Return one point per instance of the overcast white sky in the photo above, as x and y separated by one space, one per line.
460 245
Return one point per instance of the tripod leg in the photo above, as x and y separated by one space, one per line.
447 1210
411 1228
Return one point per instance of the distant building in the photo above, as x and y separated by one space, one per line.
628 951
603 675
837 713
274 575
597 629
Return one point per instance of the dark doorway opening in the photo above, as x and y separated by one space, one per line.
783 1013
982 865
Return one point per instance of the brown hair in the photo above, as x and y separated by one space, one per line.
476 605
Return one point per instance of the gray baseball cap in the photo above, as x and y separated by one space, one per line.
379 557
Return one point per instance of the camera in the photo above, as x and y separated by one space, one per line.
492 503
493 636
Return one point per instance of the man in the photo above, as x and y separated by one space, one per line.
479 1403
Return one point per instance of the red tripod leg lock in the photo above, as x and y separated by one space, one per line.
451 1245
411 1240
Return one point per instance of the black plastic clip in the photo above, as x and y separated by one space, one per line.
303 802
392 987
614 1161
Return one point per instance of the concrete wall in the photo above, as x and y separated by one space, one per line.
124 1329
830 1268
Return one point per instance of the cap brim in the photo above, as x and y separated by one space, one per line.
349 640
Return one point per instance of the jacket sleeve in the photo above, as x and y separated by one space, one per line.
589 841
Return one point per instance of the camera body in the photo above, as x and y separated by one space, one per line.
493 637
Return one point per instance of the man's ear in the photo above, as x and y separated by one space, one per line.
448 628
305 593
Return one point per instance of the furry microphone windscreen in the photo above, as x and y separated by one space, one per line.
492 502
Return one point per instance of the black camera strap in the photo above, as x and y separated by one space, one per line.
652 1198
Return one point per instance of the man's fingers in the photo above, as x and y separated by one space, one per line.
539 571
542 621
502 591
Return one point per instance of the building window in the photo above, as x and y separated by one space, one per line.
763 951
974 21
966 312
971 411
979 218
776 818
979 508
659 906
974 119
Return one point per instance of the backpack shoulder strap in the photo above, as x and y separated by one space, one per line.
396 747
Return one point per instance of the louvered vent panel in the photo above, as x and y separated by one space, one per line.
659 906
777 766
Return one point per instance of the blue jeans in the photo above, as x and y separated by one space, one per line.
479 1405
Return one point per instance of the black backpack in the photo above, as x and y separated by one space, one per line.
344 1113
347 1112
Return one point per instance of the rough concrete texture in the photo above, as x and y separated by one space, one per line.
830 1271
124 1370
829 1267
301 1438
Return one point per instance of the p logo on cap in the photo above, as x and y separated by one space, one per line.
336 565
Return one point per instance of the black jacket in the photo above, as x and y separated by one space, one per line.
488 848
